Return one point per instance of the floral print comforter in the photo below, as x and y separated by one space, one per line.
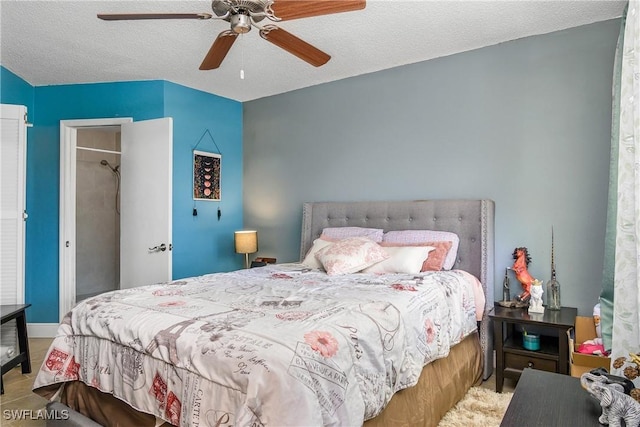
277 345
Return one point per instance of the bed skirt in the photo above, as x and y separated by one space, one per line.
441 385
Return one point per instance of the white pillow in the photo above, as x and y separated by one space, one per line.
310 258
421 236
350 255
402 259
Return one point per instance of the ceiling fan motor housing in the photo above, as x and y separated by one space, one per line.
240 23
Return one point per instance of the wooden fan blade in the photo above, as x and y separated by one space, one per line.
137 16
294 45
296 9
219 50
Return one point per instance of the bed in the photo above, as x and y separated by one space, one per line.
332 391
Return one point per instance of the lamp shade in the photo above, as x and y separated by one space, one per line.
246 241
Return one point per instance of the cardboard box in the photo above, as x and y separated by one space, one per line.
580 363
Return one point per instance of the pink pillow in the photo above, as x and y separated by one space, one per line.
339 233
427 236
478 294
350 255
436 258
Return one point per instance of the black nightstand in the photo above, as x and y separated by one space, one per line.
11 312
262 261
512 357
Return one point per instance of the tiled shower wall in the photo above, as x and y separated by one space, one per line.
97 221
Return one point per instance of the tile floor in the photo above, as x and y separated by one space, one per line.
18 395
17 389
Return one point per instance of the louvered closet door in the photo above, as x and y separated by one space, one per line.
12 210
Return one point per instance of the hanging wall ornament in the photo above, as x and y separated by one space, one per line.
206 175
206 172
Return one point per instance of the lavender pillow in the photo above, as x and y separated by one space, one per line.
339 233
407 237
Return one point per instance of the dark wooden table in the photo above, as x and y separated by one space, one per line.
546 399
512 357
10 312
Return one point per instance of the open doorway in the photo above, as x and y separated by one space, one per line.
85 221
97 211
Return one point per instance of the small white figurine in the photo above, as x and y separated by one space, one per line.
535 305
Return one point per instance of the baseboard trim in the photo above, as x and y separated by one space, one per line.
42 330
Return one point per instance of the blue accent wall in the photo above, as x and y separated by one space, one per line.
203 244
14 90
140 100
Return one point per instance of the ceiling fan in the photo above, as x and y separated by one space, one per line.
243 14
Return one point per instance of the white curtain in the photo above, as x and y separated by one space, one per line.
626 305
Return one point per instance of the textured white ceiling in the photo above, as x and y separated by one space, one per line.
60 42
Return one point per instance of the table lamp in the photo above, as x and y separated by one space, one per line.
246 243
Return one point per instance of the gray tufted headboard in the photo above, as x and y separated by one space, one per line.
471 220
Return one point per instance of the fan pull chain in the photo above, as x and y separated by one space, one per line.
241 56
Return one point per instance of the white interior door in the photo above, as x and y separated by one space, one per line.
12 202
146 202
13 146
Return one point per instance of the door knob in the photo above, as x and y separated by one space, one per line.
160 248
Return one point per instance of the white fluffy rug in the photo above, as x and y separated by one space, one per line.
479 407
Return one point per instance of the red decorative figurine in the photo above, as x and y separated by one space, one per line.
522 260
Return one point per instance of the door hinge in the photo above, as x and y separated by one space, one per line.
26 121
25 215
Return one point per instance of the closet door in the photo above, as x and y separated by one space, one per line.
12 214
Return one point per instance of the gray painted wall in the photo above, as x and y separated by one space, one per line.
525 123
